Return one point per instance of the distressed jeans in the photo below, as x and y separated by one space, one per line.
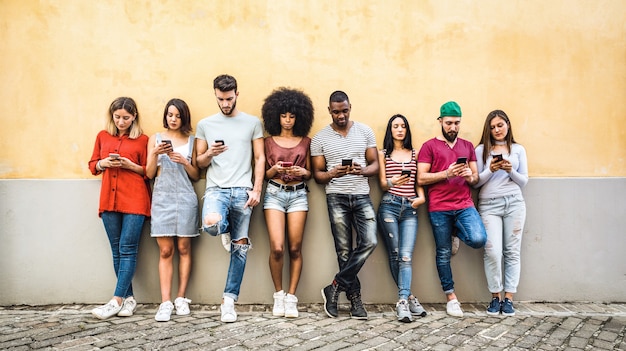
469 229
124 231
235 219
504 219
397 222
346 212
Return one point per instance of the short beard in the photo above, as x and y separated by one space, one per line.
450 138
232 108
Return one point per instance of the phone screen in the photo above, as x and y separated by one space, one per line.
346 162
286 164
461 160
406 172
497 158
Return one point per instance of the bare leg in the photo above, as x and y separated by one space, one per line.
275 221
166 253
295 232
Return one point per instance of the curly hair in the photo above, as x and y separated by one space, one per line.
283 100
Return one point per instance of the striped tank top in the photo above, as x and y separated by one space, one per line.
393 168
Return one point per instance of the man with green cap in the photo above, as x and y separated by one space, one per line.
446 164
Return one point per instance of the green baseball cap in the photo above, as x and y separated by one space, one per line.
450 109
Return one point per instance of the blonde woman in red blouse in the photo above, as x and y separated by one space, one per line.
120 154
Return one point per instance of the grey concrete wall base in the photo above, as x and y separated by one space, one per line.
53 249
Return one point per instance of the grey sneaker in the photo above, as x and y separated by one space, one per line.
415 307
128 307
402 311
330 294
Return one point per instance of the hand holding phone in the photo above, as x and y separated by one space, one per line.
406 172
114 156
346 162
219 142
286 164
497 158
461 160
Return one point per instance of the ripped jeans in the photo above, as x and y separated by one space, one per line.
397 222
229 203
504 219
345 213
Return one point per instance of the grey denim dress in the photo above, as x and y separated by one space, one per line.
174 200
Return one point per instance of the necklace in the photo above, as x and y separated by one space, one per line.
500 142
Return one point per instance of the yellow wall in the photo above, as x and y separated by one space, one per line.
558 68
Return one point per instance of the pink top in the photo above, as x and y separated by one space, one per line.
297 155
454 193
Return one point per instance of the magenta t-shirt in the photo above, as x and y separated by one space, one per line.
454 193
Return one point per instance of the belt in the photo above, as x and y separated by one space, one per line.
288 187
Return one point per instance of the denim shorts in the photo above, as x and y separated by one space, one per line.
285 201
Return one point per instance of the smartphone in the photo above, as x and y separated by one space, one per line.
287 164
461 160
346 162
219 142
114 156
406 172
497 158
167 142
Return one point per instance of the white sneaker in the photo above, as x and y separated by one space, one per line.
226 241
279 304
128 307
228 310
291 306
453 308
105 311
165 311
182 306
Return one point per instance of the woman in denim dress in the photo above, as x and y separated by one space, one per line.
174 219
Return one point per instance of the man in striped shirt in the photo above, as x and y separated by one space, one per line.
343 155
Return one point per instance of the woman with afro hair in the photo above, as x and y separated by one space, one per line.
287 117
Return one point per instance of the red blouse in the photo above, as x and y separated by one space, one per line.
122 190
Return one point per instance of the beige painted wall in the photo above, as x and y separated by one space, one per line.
557 68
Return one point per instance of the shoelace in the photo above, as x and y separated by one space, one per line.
335 294
356 301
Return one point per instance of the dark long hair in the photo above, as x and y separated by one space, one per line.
185 115
388 141
283 100
488 141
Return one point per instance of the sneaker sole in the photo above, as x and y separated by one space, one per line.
508 314
293 315
423 314
278 314
493 314
358 317
405 320
162 319
325 310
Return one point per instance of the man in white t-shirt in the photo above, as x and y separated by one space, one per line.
343 156
227 142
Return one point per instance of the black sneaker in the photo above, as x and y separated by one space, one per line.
330 294
357 311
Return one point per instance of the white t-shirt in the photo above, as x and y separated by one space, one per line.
232 168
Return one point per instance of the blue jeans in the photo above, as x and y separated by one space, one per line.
345 213
235 219
397 222
124 232
470 230
504 219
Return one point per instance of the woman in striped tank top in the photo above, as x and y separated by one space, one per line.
397 214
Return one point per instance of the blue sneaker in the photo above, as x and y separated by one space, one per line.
507 308
494 307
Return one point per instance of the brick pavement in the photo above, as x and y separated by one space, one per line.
546 326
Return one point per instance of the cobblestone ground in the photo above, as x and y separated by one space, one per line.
535 327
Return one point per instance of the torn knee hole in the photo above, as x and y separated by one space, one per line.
212 219
406 259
